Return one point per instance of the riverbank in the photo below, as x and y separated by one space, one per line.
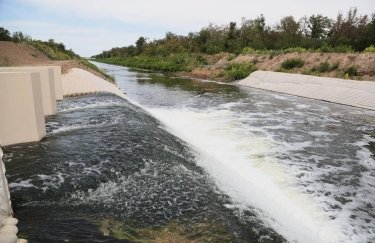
227 67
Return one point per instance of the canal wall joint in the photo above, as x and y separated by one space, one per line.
341 91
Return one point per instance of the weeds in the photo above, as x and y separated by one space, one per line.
292 63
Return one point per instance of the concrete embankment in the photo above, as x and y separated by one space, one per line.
78 82
341 91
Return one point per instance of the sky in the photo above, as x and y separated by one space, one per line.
89 27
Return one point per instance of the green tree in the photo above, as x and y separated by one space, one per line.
140 44
319 26
4 34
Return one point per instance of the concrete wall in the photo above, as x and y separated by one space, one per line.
47 84
58 82
80 82
21 108
341 91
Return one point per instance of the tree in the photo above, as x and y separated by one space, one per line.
4 34
346 31
319 26
140 43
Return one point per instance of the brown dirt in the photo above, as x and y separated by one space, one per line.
364 62
15 54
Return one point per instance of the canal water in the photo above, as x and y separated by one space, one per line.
192 160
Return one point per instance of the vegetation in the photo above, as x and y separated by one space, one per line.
236 71
292 63
351 71
370 49
325 67
316 33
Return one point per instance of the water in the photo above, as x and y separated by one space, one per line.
188 156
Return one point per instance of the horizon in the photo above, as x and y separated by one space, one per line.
88 28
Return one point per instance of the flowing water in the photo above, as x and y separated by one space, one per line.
200 160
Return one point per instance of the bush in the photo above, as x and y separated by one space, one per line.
370 49
236 71
292 63
351 71
325 67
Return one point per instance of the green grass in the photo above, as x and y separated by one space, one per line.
237 71
95 68
292 63
172 63
53 53
370 49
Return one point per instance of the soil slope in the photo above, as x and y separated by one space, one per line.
363 62
15 54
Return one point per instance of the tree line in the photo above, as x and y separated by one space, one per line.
347 33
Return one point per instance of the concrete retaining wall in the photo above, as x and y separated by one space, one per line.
79 82
21 109
47 84
341 91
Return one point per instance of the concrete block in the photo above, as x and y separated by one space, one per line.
58 82
47 84
21 108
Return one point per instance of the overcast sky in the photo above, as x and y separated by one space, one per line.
91 26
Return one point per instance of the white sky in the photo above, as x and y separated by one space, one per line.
125 20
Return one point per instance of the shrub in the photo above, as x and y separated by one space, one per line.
238 71
292 63
351 71
325 67
370 49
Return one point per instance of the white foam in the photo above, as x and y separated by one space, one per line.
239 163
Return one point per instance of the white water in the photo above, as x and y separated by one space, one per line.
237 159
292 162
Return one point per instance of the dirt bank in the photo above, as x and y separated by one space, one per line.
15 54
363 63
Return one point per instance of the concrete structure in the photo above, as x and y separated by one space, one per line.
58 81
21 108
78 82
47 84
341 91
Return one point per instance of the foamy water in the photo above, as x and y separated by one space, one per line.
298 164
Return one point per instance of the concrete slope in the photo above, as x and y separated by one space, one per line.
341 91
78 82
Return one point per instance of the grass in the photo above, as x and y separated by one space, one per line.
95 68
173 63
292 63
370 49
50 52
237 71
